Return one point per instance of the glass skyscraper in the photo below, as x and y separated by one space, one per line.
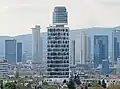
10 51
116 45
100 49
58 46
19 52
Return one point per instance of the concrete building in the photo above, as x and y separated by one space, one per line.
100 49
3 69
118 65
105 67
116 45
58 46
72 55
89 50
81 54
41 48
36 43
19 52
10 51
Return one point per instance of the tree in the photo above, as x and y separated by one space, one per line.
103 83
1 84
99 82
29 85
17 75
77 80
64 81
89 85
10 85
86 87
71 84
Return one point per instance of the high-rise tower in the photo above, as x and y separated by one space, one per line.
19 52
10 51
58 46
36 43
116 45
81 54
100 49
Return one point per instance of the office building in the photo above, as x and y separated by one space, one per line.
10 51
19 52
118 65
58 46
100 49
41 48
72 55
81 48
89 50
36 43
3 69
60 16
116 45
105 67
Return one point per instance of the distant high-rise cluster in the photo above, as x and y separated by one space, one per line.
61 55
116 45
13 51
100 49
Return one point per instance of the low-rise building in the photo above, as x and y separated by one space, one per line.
3 69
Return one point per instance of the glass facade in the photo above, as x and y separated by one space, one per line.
116 45
60 16
19 52
105 66
100 49
58 52
10 51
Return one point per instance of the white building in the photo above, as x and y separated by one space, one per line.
118 65
58 46
3 69
36 43
81 54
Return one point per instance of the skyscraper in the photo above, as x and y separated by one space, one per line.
89 49
41 48
10 51
100 49
58 46
36 43
116 45
19 52
72 55
81 54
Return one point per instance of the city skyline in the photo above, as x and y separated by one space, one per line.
17 17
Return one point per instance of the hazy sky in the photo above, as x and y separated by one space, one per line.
18 16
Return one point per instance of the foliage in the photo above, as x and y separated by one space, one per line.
71 84
17 75
99 82
103 83
10 85
45 83
112 86
64 81
1 84
77 80
96 86
52 87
